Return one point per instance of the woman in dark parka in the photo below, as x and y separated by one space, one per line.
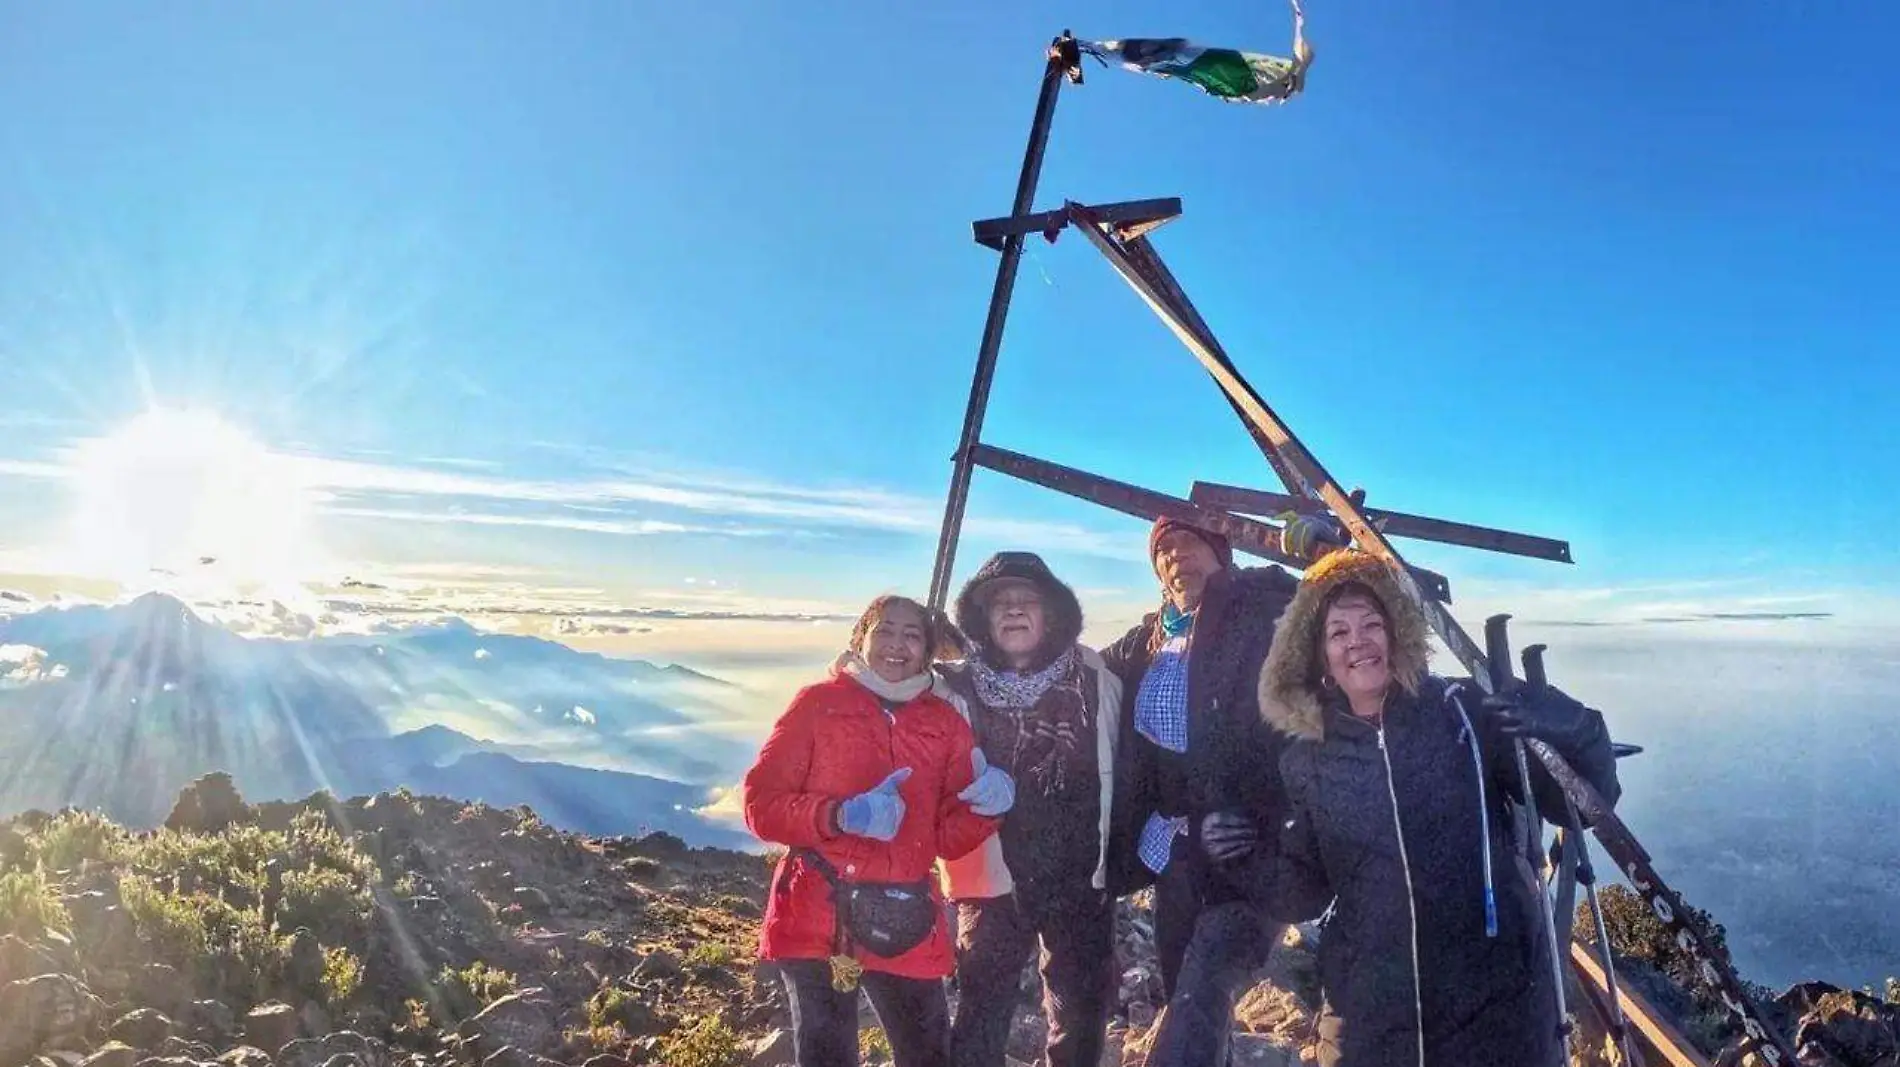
1399 786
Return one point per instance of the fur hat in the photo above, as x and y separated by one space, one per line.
1062 612
1165 525
1290 681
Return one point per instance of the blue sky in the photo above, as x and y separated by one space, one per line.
595 301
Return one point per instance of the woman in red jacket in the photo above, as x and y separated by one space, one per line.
868 778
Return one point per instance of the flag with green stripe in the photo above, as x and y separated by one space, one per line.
1242 77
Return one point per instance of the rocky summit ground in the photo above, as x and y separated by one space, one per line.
405 931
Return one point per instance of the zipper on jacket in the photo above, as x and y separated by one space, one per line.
890 756
1411 900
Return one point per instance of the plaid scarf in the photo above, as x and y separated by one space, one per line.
1008 689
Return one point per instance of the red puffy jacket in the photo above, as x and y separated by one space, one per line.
834 742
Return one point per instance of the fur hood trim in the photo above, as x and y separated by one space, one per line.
1290 694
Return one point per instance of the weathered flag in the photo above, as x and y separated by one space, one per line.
1241 77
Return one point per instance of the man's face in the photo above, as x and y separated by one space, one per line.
1016 618
1184 563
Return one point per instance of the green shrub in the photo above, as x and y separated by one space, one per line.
874 1046
226 947
235 859
711 954
1637 933
75 836
342 976
474 987
29 905
708 1042
167 922
328 902
314 842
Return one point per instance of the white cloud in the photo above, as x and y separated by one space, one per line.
23 468
24 665
628 528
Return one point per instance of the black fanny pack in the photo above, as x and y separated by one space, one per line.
886 919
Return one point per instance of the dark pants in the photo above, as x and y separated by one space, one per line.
913 1011
995 939
1209 952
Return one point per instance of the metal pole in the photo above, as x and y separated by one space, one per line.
1062 60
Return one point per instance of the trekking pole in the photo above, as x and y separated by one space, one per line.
1537 679
1497 656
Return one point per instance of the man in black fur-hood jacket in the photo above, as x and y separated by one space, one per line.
1048 711
1197 790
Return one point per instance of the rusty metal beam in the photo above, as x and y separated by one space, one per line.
1396 523
1670 1045
1131 218
1247 535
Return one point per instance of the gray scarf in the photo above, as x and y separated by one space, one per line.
1008 689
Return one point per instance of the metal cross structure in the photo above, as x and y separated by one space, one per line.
1119 231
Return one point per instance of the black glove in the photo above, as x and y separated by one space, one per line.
1546 713
1227 836
1553 716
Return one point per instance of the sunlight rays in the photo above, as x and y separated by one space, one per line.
183 499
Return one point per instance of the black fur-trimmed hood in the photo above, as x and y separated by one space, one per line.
1062 611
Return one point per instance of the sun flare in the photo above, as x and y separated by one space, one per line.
183 498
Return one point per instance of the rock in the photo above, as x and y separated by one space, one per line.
176 1047
510 1056
48 1011
1028 1036
531 900
114 1054
112 935
271 1026
245 1056
14 847
1853 1027
23 959
605 1060
344 1059
167 1061
144 1028
313 1021
1250 1050
305 970
59 1058
659 964
208 805
1141 1015
661 846
426 906
523 1020
210 1020
631 1011
775 1049
315 1052
158 986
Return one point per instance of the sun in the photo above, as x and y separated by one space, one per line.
180 498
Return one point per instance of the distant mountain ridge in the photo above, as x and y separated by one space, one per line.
125 703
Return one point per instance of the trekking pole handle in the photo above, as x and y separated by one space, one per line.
1497 651
1534 674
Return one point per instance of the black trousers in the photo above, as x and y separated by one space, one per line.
1209 951
995 939
914 1012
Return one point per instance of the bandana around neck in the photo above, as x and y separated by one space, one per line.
1008 689
1174 621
